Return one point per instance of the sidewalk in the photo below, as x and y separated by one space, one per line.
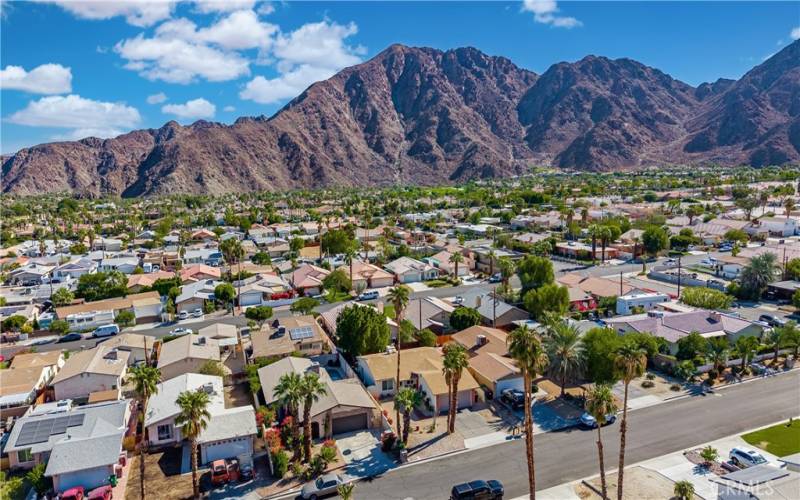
674 467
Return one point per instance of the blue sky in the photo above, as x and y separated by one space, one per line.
77 68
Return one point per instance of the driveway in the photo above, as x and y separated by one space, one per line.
362 453
472 425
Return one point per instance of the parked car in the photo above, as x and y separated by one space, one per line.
197 313
746 458
725 248
219 472
102 493
183 315
370 295
458 300
515 398
587 420
322 486
76 493
771 320
179 332
246 472
105 331
70 337
480 489
496 278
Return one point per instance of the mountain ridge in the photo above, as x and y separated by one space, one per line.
418 115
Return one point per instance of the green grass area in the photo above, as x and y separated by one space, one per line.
437 283
333 297
389 311
780 440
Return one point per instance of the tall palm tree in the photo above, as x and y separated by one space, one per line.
310 390
565 350
604 233
759 273
456 258
455 360
789 336
407 399
193 419
630 361
526 349
398 296
233 251
789 206
145 383
594 233
350 254
288 393
599 403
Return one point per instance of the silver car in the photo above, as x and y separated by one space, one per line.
322 486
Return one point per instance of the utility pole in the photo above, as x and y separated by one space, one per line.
494 307
784 261
620 282
679 276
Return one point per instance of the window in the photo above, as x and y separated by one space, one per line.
164 432
387 385
24 455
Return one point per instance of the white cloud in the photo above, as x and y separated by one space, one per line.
179 52
313 52
196 108
546 12
156 98
265 9
87 117
229 109
44 79
211 6
136 12
795 34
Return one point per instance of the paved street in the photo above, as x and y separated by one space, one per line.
572 454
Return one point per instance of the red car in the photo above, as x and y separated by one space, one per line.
219 472
101 493
75 493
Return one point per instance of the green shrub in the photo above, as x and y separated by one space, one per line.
651 376
328 454
648 384
280 463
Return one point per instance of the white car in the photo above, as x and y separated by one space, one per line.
178 332
746 458
587 420
183 315
197 313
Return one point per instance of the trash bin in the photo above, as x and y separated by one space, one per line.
112 480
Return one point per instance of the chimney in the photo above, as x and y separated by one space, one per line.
715 316
480 340
112 354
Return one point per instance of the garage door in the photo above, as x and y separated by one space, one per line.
227 449
350 424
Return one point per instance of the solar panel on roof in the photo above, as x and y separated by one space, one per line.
40 431
300 333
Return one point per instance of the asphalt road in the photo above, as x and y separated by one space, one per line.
572 454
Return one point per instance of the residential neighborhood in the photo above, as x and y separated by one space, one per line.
282 344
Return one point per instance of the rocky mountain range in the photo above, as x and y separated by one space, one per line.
423 116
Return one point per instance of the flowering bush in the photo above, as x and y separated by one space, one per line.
329 443
272 438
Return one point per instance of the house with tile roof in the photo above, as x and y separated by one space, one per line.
673 326
345 407
421 369
490 362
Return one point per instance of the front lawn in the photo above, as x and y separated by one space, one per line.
437 283
780 440
333 297
389 312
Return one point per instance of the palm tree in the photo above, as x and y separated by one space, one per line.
594 233
310 390
145 383
565 351
287 392
233 251
683 490
772 339
526 349
717 352
630 361
790 336
350 254
407 399
789 206
398 297
455 259
746 347
604 233
454 362
345 490
507 270
759 273
193 419
491 255
599 403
